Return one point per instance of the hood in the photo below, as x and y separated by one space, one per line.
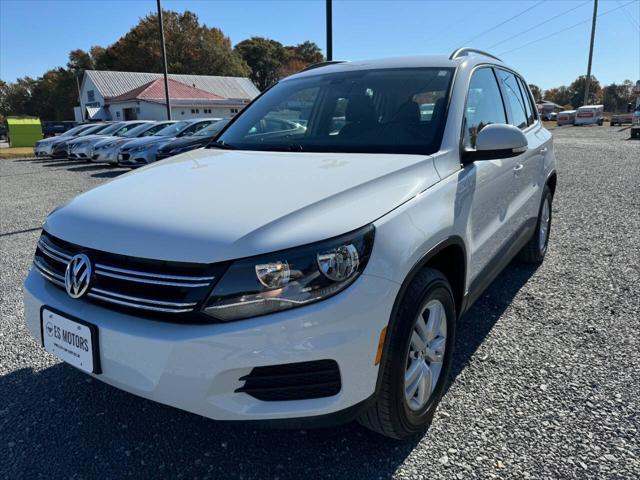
212 205
85 138
192 141
104 140
137 142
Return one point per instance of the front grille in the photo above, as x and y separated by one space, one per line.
293 381
153 286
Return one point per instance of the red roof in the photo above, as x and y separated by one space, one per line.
154 91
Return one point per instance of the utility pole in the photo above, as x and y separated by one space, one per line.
164 61
593 35
329 32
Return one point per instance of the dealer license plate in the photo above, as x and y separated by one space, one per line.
70 340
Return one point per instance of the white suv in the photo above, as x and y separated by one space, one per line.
311 275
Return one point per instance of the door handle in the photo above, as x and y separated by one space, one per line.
518 167
543 150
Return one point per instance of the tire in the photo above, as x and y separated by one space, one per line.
393 414
535 250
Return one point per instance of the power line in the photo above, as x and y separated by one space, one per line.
503 22
629 16
564 29
538 25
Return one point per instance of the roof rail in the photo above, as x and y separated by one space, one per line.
322 64
461 52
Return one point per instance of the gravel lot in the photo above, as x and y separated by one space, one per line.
545 381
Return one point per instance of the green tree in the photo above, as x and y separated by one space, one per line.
265 57
577 88
537 93
191 48
299 57
560 95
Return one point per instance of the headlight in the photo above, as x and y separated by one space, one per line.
141 148
290 278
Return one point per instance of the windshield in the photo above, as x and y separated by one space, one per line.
94 129
140 129
111 129
212 129
73 130
365 111
171 130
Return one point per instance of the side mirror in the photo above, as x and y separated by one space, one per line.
495 141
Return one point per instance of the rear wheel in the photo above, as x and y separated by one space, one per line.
417 359
535 250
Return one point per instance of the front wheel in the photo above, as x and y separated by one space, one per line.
417 359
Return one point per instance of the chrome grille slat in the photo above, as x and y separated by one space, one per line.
100 291
48 274
47 248
153 275
149 281
138 305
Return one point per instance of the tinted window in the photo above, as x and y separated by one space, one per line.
484 105
111 129
171 130
528 103
369 111
514 99
193 129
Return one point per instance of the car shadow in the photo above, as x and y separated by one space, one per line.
60 422
60 163
87 168
109 174
478 321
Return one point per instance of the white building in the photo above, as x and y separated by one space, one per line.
109 95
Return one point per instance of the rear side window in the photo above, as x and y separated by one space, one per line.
514 99
484 105
528 104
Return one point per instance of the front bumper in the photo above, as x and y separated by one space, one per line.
105 155
136 159
42 150
197 368
82 152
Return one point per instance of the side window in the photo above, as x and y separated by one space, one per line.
484 105
513 97
91 96
528 104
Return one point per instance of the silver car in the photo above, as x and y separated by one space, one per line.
142 151
80 149
44 147
106 150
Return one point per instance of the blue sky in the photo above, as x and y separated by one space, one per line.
36 35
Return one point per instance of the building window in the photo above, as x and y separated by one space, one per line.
182 113
234 111
193 110
91 96
118 114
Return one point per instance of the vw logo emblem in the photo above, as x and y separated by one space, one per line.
78 276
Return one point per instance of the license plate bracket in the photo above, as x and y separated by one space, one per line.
71 339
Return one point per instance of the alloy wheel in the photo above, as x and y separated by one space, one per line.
426 354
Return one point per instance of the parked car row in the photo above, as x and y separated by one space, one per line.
130 143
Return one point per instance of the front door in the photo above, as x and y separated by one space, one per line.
490 224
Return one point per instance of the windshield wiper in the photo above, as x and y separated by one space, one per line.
221 144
